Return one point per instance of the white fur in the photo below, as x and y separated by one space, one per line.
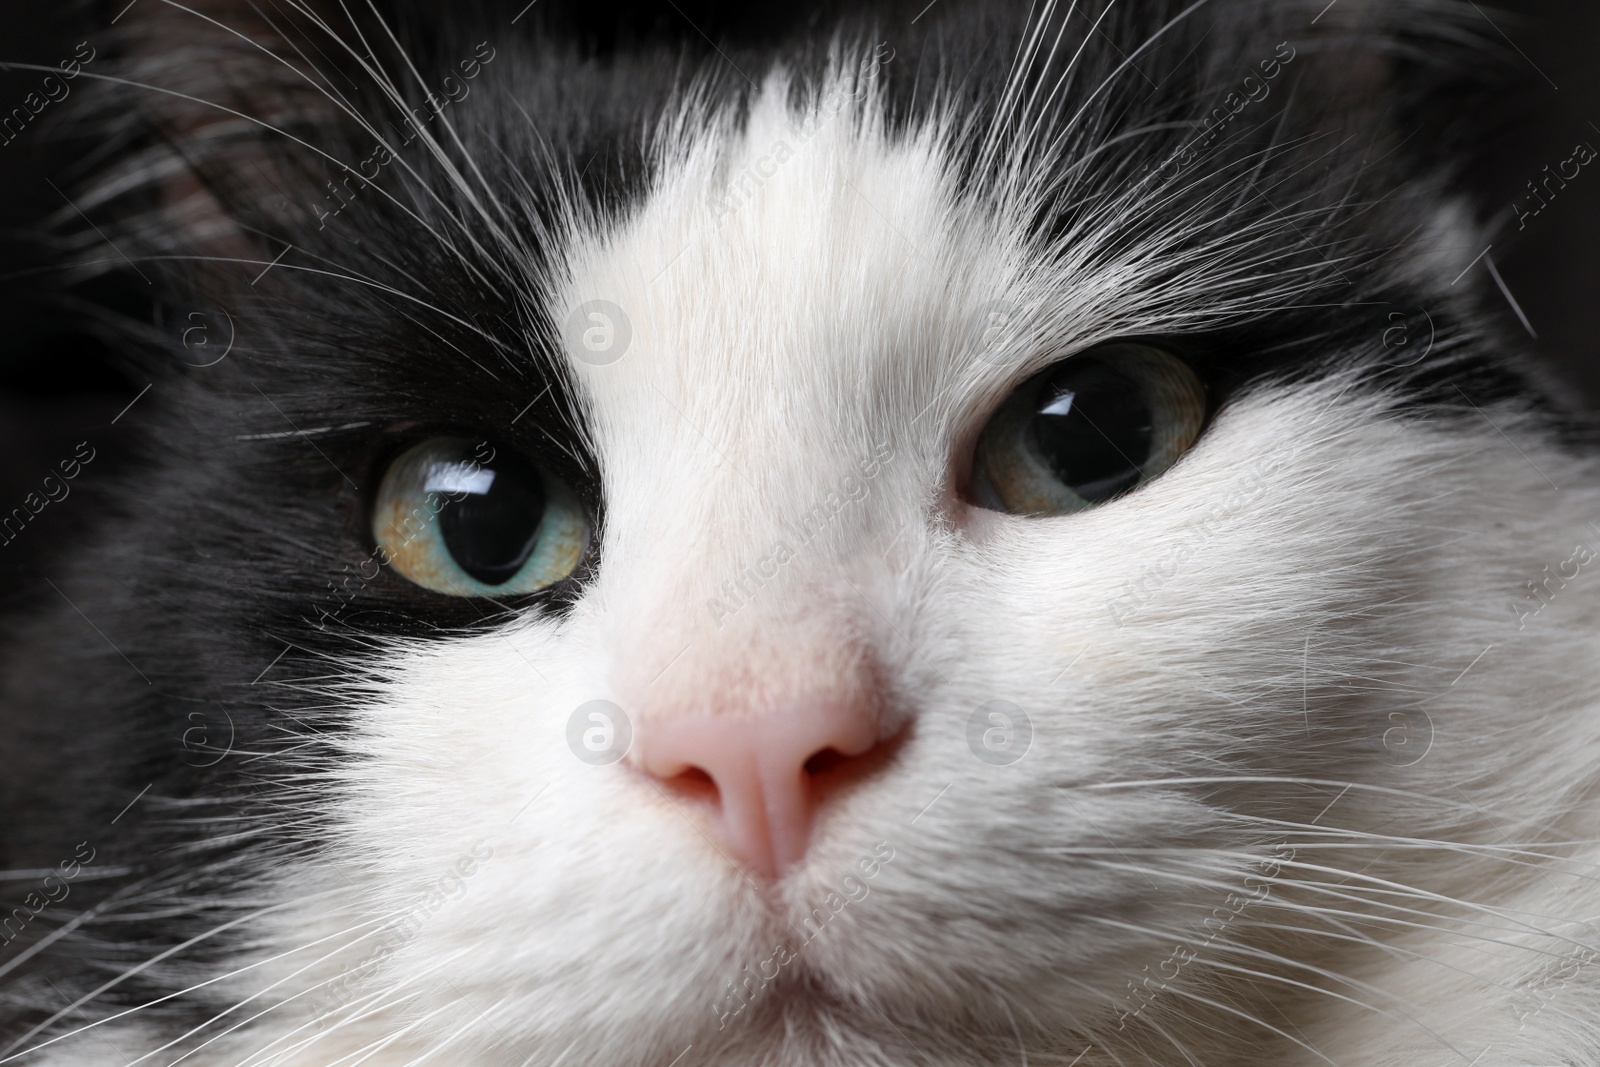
1355 563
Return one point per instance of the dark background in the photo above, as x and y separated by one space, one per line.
59 385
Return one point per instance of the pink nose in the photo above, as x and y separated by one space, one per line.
767 772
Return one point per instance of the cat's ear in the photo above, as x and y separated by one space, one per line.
236 99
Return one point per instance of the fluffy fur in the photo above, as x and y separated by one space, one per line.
1308 783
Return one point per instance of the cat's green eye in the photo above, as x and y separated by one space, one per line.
1087 430
466 519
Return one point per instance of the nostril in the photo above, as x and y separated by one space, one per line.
825 762
830 771
696 784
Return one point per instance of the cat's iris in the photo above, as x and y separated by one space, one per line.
1087 430
467 519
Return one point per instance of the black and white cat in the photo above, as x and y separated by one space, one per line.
939 534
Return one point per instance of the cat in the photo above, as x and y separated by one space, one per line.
933 534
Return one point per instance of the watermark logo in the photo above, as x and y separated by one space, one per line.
207 338
599 733
1148 985
742 187
999 733
409 529
412 126
1002 329
1543 590
208 741
400 931
13 924
598 333
823 513
1197 532
1542 191
852 889
1252 90
1401 338
52 490
1409 737
53 89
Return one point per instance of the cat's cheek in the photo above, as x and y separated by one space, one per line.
869 868
884 851
65 489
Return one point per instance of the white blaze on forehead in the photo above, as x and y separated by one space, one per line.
800 254
793 291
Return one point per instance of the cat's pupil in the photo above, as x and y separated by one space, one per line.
490 524
1093 428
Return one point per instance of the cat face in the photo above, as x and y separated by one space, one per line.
875 574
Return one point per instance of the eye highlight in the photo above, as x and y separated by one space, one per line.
461 518
1087 430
